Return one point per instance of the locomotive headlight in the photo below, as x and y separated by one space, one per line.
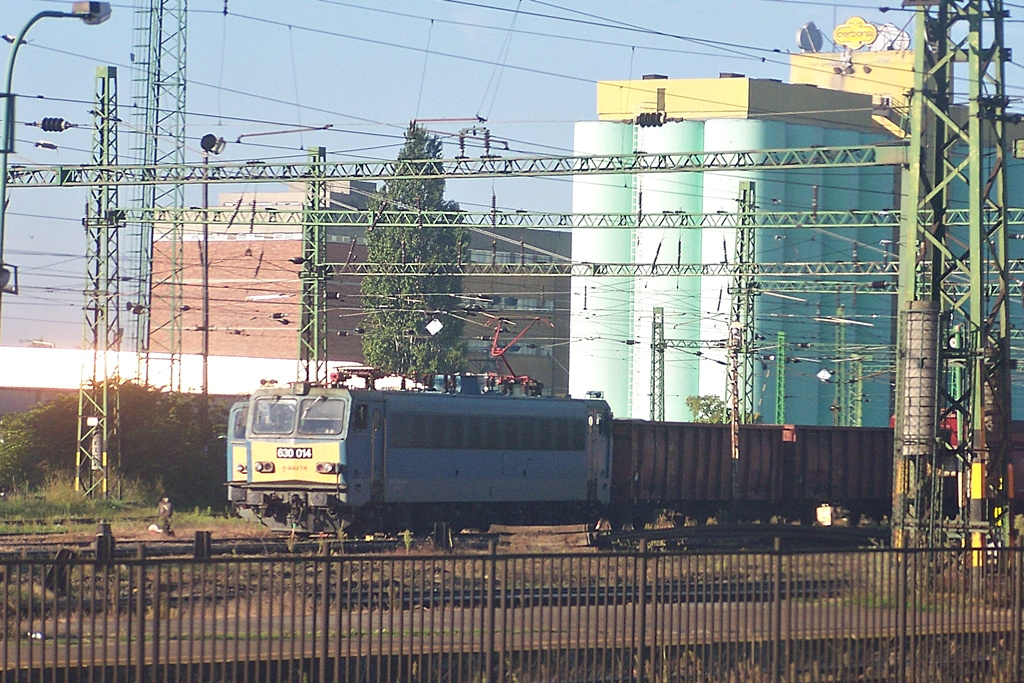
241 469
264 467
327 467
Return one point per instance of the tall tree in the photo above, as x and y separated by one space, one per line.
399 309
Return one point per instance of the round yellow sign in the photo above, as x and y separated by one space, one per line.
854 33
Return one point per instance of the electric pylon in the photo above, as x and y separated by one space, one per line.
658 364
741 315
98 396
957 153
158 97
313 277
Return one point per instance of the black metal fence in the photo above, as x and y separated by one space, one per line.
936 615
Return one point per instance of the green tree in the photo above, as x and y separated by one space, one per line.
399 308
164 448
708 408
162 444
38 444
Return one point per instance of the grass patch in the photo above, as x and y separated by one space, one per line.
59 500
57 506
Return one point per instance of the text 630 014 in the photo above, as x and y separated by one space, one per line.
292 453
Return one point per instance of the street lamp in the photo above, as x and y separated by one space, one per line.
211 144
91 13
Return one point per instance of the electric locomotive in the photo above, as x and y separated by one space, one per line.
321 458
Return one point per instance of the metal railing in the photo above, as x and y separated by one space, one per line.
878 615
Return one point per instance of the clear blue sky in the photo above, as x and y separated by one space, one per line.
367 68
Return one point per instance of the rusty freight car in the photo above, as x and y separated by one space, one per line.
783 469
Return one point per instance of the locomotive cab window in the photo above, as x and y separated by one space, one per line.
274 415
323 416
238 423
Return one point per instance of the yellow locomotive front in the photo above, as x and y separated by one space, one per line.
296 460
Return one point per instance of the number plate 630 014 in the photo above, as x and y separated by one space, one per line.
291 453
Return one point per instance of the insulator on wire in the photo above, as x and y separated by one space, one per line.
53 124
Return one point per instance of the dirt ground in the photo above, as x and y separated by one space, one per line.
138 531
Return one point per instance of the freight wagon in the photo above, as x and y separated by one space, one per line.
783 470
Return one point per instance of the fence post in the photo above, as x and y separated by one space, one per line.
640 602
490 610
202 545
104 545
325 612
156 635
104 542
651 564
1018 589
903 558
140 613
777 661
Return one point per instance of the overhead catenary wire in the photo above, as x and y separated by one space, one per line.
563 179
279 23
423 74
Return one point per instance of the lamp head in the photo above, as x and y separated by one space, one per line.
212 144
92 13
8 278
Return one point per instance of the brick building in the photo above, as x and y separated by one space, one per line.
255 293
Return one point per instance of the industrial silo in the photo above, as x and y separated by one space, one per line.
601 314
809 380
721 191
658 196
1015 198
870 332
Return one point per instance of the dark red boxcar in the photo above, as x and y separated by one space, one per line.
679 462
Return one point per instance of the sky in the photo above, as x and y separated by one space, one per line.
366 69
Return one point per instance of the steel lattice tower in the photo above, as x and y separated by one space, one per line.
658 364
98 396
780 381
313 277
740 384
158 96
953 282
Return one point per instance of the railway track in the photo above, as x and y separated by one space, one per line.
46 546
41 549
667 592
815 639
708 537
56 521
747 537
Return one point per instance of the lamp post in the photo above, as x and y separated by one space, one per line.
92 13
211 144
